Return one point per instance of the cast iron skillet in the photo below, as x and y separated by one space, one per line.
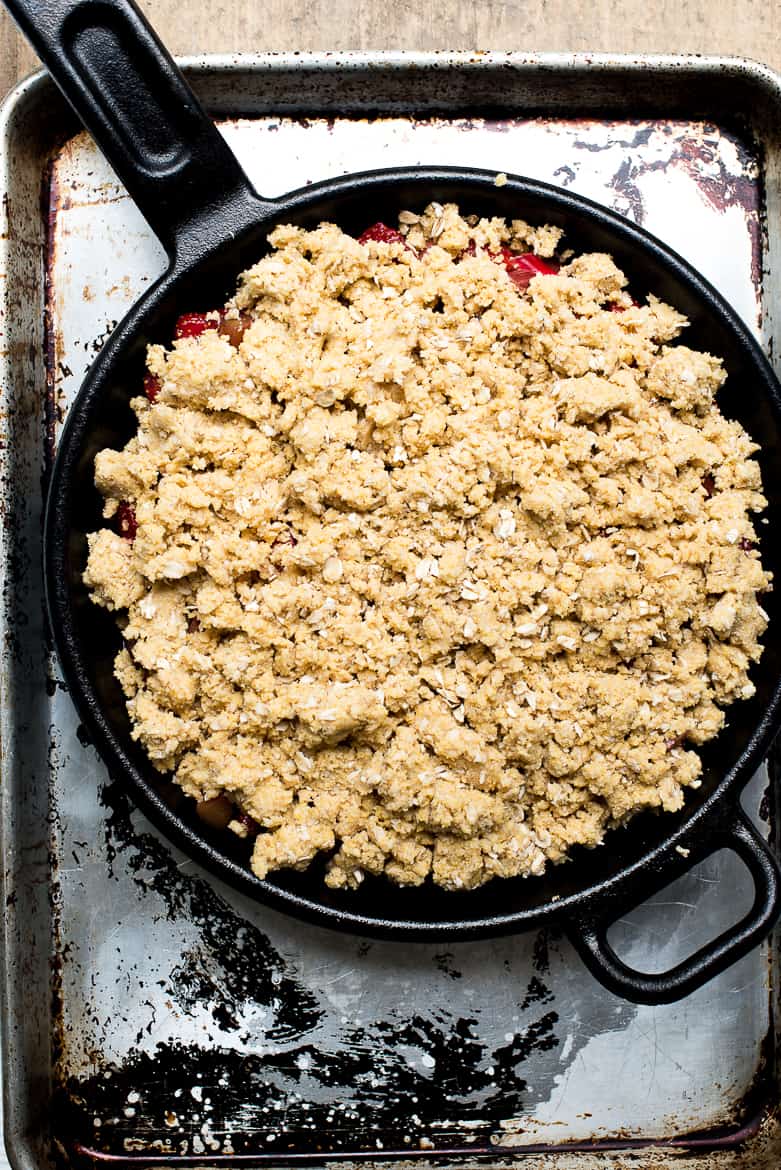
196 198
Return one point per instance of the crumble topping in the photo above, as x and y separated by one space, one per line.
430 553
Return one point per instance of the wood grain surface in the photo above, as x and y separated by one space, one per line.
750 28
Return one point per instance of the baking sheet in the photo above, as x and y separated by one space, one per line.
187 1022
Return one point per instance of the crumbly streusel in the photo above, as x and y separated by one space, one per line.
435 574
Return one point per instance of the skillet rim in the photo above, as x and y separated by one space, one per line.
659 863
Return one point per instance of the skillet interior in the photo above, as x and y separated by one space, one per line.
88 639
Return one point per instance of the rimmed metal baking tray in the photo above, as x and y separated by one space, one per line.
152 1015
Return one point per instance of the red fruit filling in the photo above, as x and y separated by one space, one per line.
231 328
382 234
746 544
285 539
524 267
249 823
521 267
152 386
614 308
126 521
193 325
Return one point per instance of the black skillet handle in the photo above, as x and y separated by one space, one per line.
588 932
131 96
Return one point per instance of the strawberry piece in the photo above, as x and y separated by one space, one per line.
524 266
521 267
249 823
231 328
193 325
126 521
746 544
616 308
152 386
285 537
382 234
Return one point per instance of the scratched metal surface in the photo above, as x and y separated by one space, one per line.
189 1021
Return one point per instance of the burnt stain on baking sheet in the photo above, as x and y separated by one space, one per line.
195 1116
565 176
630 197
51 199
696 149
398 1084
54 201
318 1085
318 1080
373 1090
444 962
769 802
234 963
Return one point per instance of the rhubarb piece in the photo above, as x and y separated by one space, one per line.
249 823
152 386
382 234
127 525
616 308
193 325
523 267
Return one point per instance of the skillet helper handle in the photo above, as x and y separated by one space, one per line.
589 932
133 99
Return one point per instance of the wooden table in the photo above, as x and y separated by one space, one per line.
750 28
